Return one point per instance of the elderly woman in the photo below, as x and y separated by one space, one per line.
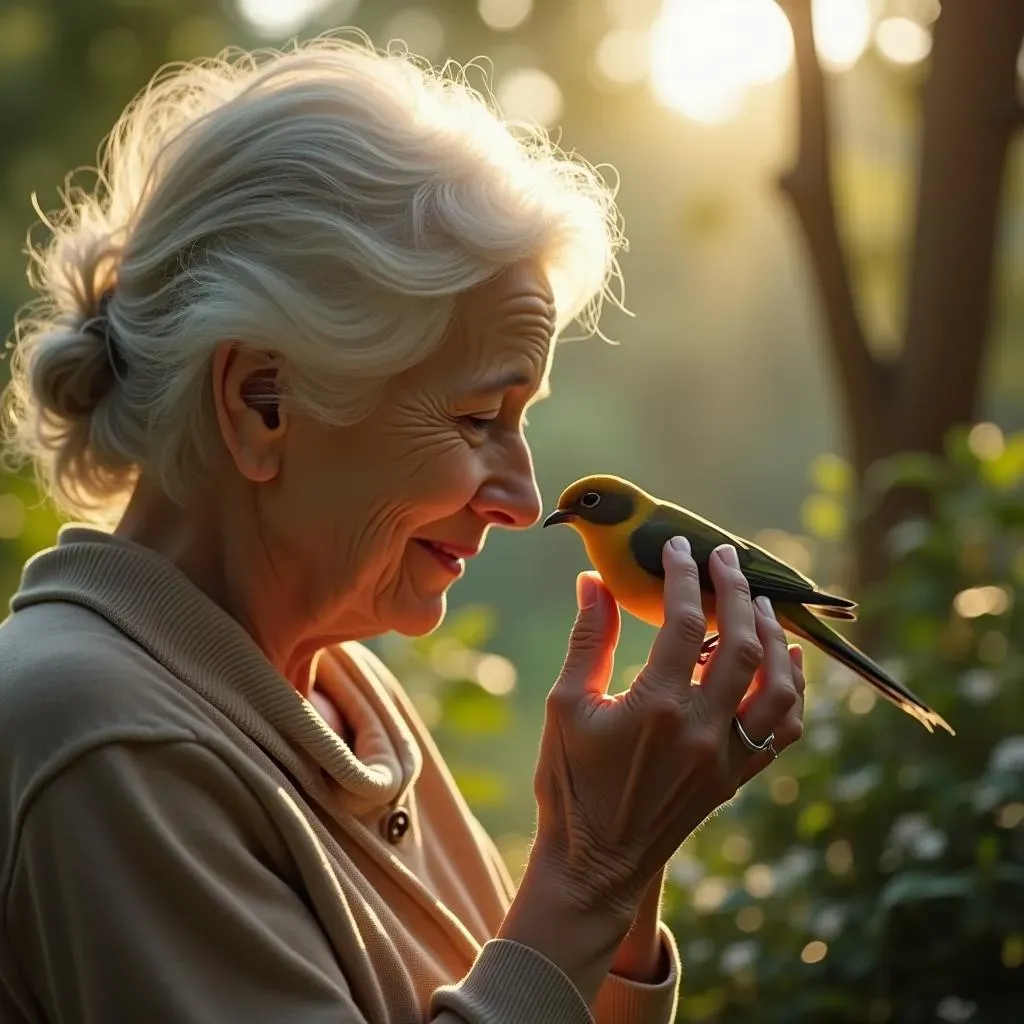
279 374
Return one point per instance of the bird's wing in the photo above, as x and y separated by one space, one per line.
779 581
648 540
767 574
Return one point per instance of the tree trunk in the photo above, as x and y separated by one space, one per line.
970 111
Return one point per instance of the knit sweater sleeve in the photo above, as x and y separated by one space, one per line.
142 887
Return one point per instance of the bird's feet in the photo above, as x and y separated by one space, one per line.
707 648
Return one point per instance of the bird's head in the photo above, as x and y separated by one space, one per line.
600 501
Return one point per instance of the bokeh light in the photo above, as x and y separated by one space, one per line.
710 893
987 441
277 18
902 40
706 55
974 602
813 952
530 94
862 699
622 56
759 880
842 29
784 789
504 15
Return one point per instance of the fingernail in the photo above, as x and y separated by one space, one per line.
727 553
765 606
586 591
797 654
680 544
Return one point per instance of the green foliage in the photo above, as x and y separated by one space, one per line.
876 873
462 693
898 851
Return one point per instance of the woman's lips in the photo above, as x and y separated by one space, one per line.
445 555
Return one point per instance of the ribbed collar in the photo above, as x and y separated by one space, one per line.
156 605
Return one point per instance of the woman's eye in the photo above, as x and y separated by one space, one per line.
478 424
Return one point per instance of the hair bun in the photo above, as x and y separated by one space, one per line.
72 370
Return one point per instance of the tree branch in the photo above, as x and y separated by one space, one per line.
809 187
965 135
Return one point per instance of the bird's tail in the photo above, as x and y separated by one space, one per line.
805 623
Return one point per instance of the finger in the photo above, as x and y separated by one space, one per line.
796 657
791 729
773 692
739 652
673 656
588 662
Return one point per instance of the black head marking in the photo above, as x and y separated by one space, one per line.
604 508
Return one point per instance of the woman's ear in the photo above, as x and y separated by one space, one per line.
247 398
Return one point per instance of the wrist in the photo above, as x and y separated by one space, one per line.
641 955
587 886
567 922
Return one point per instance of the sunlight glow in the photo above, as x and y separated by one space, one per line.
706 54
987 441
530 94
277 18
842 29
622 56
419 29
903 41
813 952
977 601
504 15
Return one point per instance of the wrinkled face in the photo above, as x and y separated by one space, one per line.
378 514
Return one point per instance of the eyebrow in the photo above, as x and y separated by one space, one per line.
510 379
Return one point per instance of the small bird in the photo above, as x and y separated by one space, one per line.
624 530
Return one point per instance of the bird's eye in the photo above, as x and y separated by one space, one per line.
590 499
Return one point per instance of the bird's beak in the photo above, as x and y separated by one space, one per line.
560 515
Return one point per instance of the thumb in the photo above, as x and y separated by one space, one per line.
591 655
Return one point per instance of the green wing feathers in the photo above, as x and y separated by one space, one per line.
788 590
806 624
779 581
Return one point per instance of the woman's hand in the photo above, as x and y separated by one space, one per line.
623 780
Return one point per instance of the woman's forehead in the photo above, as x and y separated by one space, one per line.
501 335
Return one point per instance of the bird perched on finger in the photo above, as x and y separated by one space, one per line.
624 530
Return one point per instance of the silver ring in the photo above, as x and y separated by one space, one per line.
755 748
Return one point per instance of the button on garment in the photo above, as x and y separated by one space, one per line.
395 825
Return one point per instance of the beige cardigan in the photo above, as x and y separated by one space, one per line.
183 839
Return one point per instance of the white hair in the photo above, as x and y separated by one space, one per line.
328 205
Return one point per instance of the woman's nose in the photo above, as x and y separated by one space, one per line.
512 501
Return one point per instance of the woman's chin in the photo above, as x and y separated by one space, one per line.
423 618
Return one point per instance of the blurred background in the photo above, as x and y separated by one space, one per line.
826 276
